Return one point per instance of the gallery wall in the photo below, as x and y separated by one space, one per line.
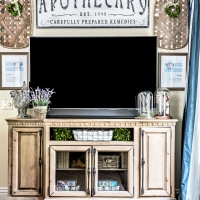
176 100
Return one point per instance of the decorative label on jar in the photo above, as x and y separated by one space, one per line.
162 104
167 104
159 105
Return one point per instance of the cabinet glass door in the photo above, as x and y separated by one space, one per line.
70 173
112 170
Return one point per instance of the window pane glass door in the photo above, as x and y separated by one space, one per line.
112 171
70 173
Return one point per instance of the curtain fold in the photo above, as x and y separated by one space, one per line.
190 155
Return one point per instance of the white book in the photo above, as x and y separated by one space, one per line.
125 160
122 160
61 160
58 160
66 159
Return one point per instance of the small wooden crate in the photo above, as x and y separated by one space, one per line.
109 161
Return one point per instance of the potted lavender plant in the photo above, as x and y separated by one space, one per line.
40 99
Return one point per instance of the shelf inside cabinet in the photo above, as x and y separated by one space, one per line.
92 143
71 169
78 169
88 137
112 169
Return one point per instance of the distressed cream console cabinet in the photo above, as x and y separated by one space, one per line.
147 170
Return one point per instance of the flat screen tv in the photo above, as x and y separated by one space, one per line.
94 77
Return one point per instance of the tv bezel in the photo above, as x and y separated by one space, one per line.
94 113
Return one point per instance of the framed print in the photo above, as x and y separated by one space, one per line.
13 70
172 68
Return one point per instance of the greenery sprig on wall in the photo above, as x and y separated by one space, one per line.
63 134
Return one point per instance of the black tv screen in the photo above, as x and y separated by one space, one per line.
94 76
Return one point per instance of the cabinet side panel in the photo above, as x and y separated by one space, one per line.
27 158
155 168
156 143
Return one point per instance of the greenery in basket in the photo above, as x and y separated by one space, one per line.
121 134
62 134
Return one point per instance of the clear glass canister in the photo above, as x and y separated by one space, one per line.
162 97
145 104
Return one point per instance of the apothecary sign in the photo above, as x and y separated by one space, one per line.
92 13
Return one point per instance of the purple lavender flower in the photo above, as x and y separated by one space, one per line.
41 97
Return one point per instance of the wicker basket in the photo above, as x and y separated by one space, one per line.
172 33
108 161
15 30
93 135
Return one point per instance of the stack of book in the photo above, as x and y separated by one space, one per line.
62 160
108 185
67 185
124 160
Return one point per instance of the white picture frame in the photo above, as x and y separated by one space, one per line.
172 69
13 70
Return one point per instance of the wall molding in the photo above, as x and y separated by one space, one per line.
3 193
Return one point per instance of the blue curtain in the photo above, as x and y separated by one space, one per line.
191 95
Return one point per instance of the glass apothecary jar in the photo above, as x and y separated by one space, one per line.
162 96
145 104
